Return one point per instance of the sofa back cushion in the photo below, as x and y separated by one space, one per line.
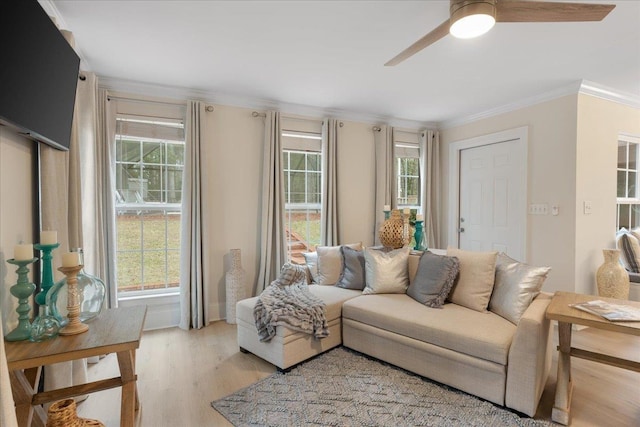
475 282
434 279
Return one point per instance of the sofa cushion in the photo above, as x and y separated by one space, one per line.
517 284
352 276
475 282
333 298
330 263
433 280
483 335
386 272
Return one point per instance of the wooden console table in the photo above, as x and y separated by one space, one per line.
566 316
114 331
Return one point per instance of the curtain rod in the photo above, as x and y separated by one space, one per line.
175 104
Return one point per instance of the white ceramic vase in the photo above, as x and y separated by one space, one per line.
612 278
235 285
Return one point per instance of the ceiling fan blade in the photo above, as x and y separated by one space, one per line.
435 35
535 11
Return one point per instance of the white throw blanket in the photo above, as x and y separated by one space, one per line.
288 302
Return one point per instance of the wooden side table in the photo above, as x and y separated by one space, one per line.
114 331
559 309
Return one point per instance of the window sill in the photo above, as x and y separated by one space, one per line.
151 299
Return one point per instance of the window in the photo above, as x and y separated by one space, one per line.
628 196
407 157
149 166
302 168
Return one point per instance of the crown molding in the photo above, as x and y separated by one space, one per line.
179 93
513 106
600 91
581 87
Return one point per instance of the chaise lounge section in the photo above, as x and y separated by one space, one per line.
289 347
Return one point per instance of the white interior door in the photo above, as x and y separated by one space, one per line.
492 196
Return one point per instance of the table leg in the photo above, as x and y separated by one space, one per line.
24 386
126 361
564 384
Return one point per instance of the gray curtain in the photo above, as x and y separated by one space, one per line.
329 225
385 175
96 171
273 242
61 210
194 296
430 185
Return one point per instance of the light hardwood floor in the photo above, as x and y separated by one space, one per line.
180 373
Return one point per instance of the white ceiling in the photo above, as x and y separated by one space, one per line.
330 54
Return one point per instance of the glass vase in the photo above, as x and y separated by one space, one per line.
92 292
45 326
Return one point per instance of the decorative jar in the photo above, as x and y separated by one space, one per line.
92 292
611 277
392 232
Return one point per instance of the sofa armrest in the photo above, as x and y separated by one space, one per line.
529 358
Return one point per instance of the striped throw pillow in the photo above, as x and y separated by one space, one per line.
630 248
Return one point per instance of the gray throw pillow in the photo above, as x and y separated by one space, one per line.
352 276
434 279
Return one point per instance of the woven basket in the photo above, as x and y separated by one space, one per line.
63 414
392 231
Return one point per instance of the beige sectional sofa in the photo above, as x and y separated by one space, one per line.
478 352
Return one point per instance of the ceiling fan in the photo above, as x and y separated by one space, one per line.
472 18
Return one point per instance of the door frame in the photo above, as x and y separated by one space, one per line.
455 148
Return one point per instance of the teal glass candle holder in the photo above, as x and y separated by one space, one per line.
47 271
22 290
419 237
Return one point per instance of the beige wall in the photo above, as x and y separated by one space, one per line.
572 157
16 184
551 179
232 184
599 123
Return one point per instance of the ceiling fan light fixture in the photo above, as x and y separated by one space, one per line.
471 18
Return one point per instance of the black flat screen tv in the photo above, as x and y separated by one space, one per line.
38 74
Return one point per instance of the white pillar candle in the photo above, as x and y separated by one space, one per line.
419 217
23 252
48 237
406 211
386 208
71 259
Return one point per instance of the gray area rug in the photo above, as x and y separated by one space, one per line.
345 388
